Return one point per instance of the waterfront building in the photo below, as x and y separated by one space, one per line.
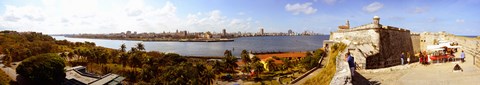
261 32
375 45
129 32
224 31
290 32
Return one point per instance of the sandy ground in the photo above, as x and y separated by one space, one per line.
433 74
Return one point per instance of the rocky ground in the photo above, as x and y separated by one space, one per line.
433 74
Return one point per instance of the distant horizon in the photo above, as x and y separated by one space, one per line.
320 16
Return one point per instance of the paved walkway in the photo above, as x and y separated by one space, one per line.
433 74
9 71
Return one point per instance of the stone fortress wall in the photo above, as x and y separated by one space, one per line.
374 45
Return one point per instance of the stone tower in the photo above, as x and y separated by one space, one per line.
376 21
347 24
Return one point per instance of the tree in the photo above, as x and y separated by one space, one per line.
245 57
217 67
43 69
7 59
140 46
124 59
271 65
258 66
255 59
123 48
230 61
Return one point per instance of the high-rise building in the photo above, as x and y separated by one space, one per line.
129 32
261 31
224 31
290 32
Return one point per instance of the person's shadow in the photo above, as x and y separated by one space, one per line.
358 79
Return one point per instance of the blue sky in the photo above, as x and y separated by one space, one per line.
321 16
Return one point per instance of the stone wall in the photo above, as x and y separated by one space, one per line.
416 42
392 44
376 47
356 40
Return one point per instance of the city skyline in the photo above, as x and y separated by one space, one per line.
320 16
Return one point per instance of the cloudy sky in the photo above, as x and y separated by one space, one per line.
321 16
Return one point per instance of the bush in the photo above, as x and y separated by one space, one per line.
326 74
43 69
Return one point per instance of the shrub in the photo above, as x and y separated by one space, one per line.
43 69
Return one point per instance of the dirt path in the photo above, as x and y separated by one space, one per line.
433 74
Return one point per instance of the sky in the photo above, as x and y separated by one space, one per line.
320 16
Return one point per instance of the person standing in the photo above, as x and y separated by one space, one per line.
408 58
402 57
351 63
462 56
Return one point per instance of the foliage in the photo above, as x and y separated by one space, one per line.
310 61
4 79
326 74
245 57
46 69
271 65
230 61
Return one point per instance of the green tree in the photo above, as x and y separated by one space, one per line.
245 57
123 48
124 59
230 61
271 65
255 59
43 69
258 66
140 46
7 59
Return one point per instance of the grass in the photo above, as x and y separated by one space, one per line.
326 74
4 79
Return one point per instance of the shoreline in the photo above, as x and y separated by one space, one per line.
182 40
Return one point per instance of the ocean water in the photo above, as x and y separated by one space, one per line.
255 44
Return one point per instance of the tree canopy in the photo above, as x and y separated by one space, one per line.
43 69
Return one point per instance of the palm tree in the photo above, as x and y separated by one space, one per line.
255 59
140 46
230 61
123 48
7 59
270 65
217 67
245 57
209 77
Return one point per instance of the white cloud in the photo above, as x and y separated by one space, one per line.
460 21
298 8
432 19
60 16
331 2
373 7
241 13
419 10
214 21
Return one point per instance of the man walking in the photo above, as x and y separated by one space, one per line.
402 58
351 63
462 56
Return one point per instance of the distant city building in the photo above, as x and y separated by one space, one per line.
224 31
290 32
129 32
261 31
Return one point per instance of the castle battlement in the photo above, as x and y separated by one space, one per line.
375 45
